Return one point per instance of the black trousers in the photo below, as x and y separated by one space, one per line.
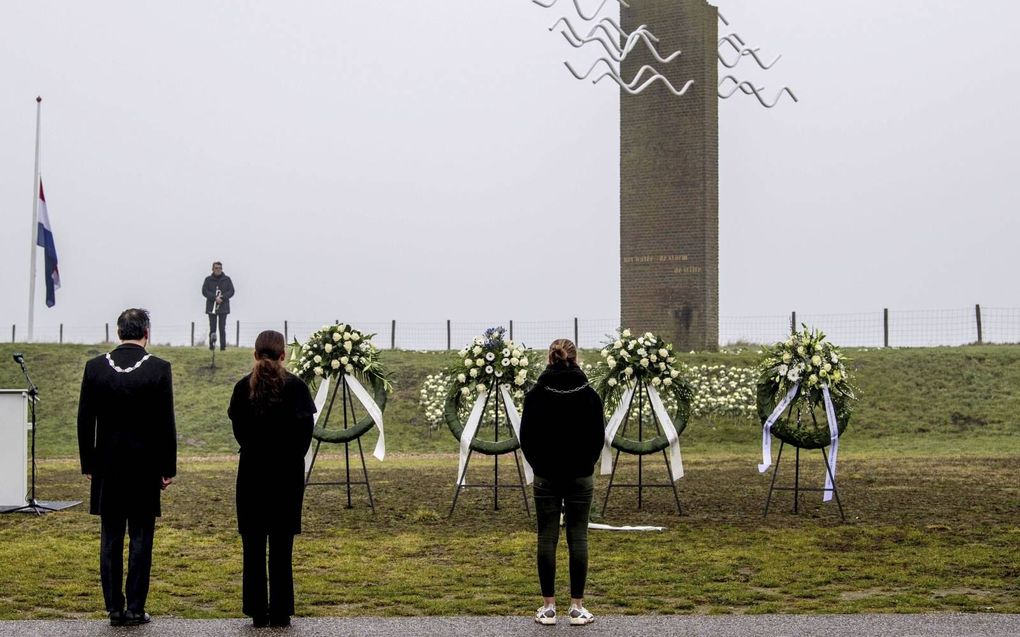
111 560
573 497
280 602
223 329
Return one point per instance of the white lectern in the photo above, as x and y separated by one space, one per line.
14 427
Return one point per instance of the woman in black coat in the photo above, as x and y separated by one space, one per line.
562 429
273 414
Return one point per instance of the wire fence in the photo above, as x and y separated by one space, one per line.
883 328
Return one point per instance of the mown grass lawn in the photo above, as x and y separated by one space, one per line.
923 534
928 473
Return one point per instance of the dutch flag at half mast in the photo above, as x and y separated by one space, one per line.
44 239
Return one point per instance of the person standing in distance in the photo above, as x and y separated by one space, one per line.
562 428
217 290
127 441
272 413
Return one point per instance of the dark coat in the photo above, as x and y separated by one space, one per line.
563 425
271 469
127 436
226 287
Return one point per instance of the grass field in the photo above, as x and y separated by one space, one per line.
928 474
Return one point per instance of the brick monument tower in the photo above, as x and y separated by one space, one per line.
669 178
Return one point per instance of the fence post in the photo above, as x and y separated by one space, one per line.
793 322
108 334
885 327
977 314
449 341
192 333
576 343
14 327
237 334
511 329
393 334
286 332
61 333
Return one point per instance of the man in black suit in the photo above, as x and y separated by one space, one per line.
217 290
127 440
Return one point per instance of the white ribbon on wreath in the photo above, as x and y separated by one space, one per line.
830 417
367 402
475 419
676 463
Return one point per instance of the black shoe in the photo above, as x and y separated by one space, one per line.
117 618
132 618
279 622
260 622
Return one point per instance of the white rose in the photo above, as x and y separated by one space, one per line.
461 378
465 390
318 371
524 361
612 382
662 366
328 347
644 362
349 368
344 360
515 361
463 352
604 353
519 381
663 352
517 353
625 333
347 336
355 336
348 346
656 381
667 382
629 371
476 350
474 372
611 361
631 344
336 336
479 388
674 373
649 336
653 358
335 364
816 360
642 352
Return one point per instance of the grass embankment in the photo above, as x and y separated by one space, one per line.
960 400
928 475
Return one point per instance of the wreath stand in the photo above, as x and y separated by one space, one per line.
347 402
494 394
641 391
796 488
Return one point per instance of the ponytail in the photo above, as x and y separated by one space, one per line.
268 374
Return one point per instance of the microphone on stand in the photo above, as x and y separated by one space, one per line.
19 358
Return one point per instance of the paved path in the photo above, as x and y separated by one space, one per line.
940 625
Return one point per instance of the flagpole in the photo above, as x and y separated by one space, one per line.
35 221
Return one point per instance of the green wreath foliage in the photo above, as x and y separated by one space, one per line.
641 362
451 415
808 359
336 433
330 352
489 361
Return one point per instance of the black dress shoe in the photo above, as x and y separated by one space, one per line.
117 618
279 622
132 618
260 622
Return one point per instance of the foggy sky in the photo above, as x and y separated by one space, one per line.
431 160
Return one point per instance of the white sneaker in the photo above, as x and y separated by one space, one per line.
580 616
546 616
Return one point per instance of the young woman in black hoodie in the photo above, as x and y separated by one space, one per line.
562 428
